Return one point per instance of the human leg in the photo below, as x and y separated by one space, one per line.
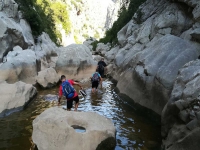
76 99
93 86
69 104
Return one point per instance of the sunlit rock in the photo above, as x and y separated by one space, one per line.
47 78
14 97
19 66
76 62
56 129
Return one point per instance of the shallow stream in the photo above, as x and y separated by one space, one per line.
137 128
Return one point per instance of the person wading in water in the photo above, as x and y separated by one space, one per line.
101 67
66 88
96 79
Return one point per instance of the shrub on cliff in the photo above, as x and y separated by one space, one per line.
44 15
128 8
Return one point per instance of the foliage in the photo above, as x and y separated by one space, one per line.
94 45
96 35
85 36
128 8
44 15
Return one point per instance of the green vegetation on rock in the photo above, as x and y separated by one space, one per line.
46 15
128 8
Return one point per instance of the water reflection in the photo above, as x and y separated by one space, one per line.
134 132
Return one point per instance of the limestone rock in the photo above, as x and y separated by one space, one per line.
20 66
47 78
75 61
10 35
186 91
110 55
15 96
156 68
9 7
88 43
102 48
53 130
46 52
27 33
196 33
90 18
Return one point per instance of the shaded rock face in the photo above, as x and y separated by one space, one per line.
181 115
15 96
76 62
152 71
53 130
154 45
10 35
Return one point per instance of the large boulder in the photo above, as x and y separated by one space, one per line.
19 65
54 130
110 55
10 35
46 51
151 53
181 116
9 7
76 62
152 72
103 48
47 78
15 97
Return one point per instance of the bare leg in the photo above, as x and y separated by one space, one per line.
76 106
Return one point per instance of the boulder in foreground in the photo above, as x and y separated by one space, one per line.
53 130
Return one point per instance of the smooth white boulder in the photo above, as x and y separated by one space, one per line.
52 130
20 65
76 62
47 78
15 96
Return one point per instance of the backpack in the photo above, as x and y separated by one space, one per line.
101 68
67 89
95 77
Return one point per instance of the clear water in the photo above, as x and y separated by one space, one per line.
136 130
78 129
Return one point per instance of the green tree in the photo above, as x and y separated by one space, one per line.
128 8
44 15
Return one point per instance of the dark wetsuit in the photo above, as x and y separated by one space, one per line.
101 65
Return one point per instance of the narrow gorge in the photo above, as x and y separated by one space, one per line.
154 63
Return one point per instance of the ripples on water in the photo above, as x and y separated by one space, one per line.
134 131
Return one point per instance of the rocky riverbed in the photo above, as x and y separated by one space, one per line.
134 127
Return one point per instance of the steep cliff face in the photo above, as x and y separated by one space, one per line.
156 65
154 45
90 18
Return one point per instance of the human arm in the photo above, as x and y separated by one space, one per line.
100 80
104 64
76 83
59 94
